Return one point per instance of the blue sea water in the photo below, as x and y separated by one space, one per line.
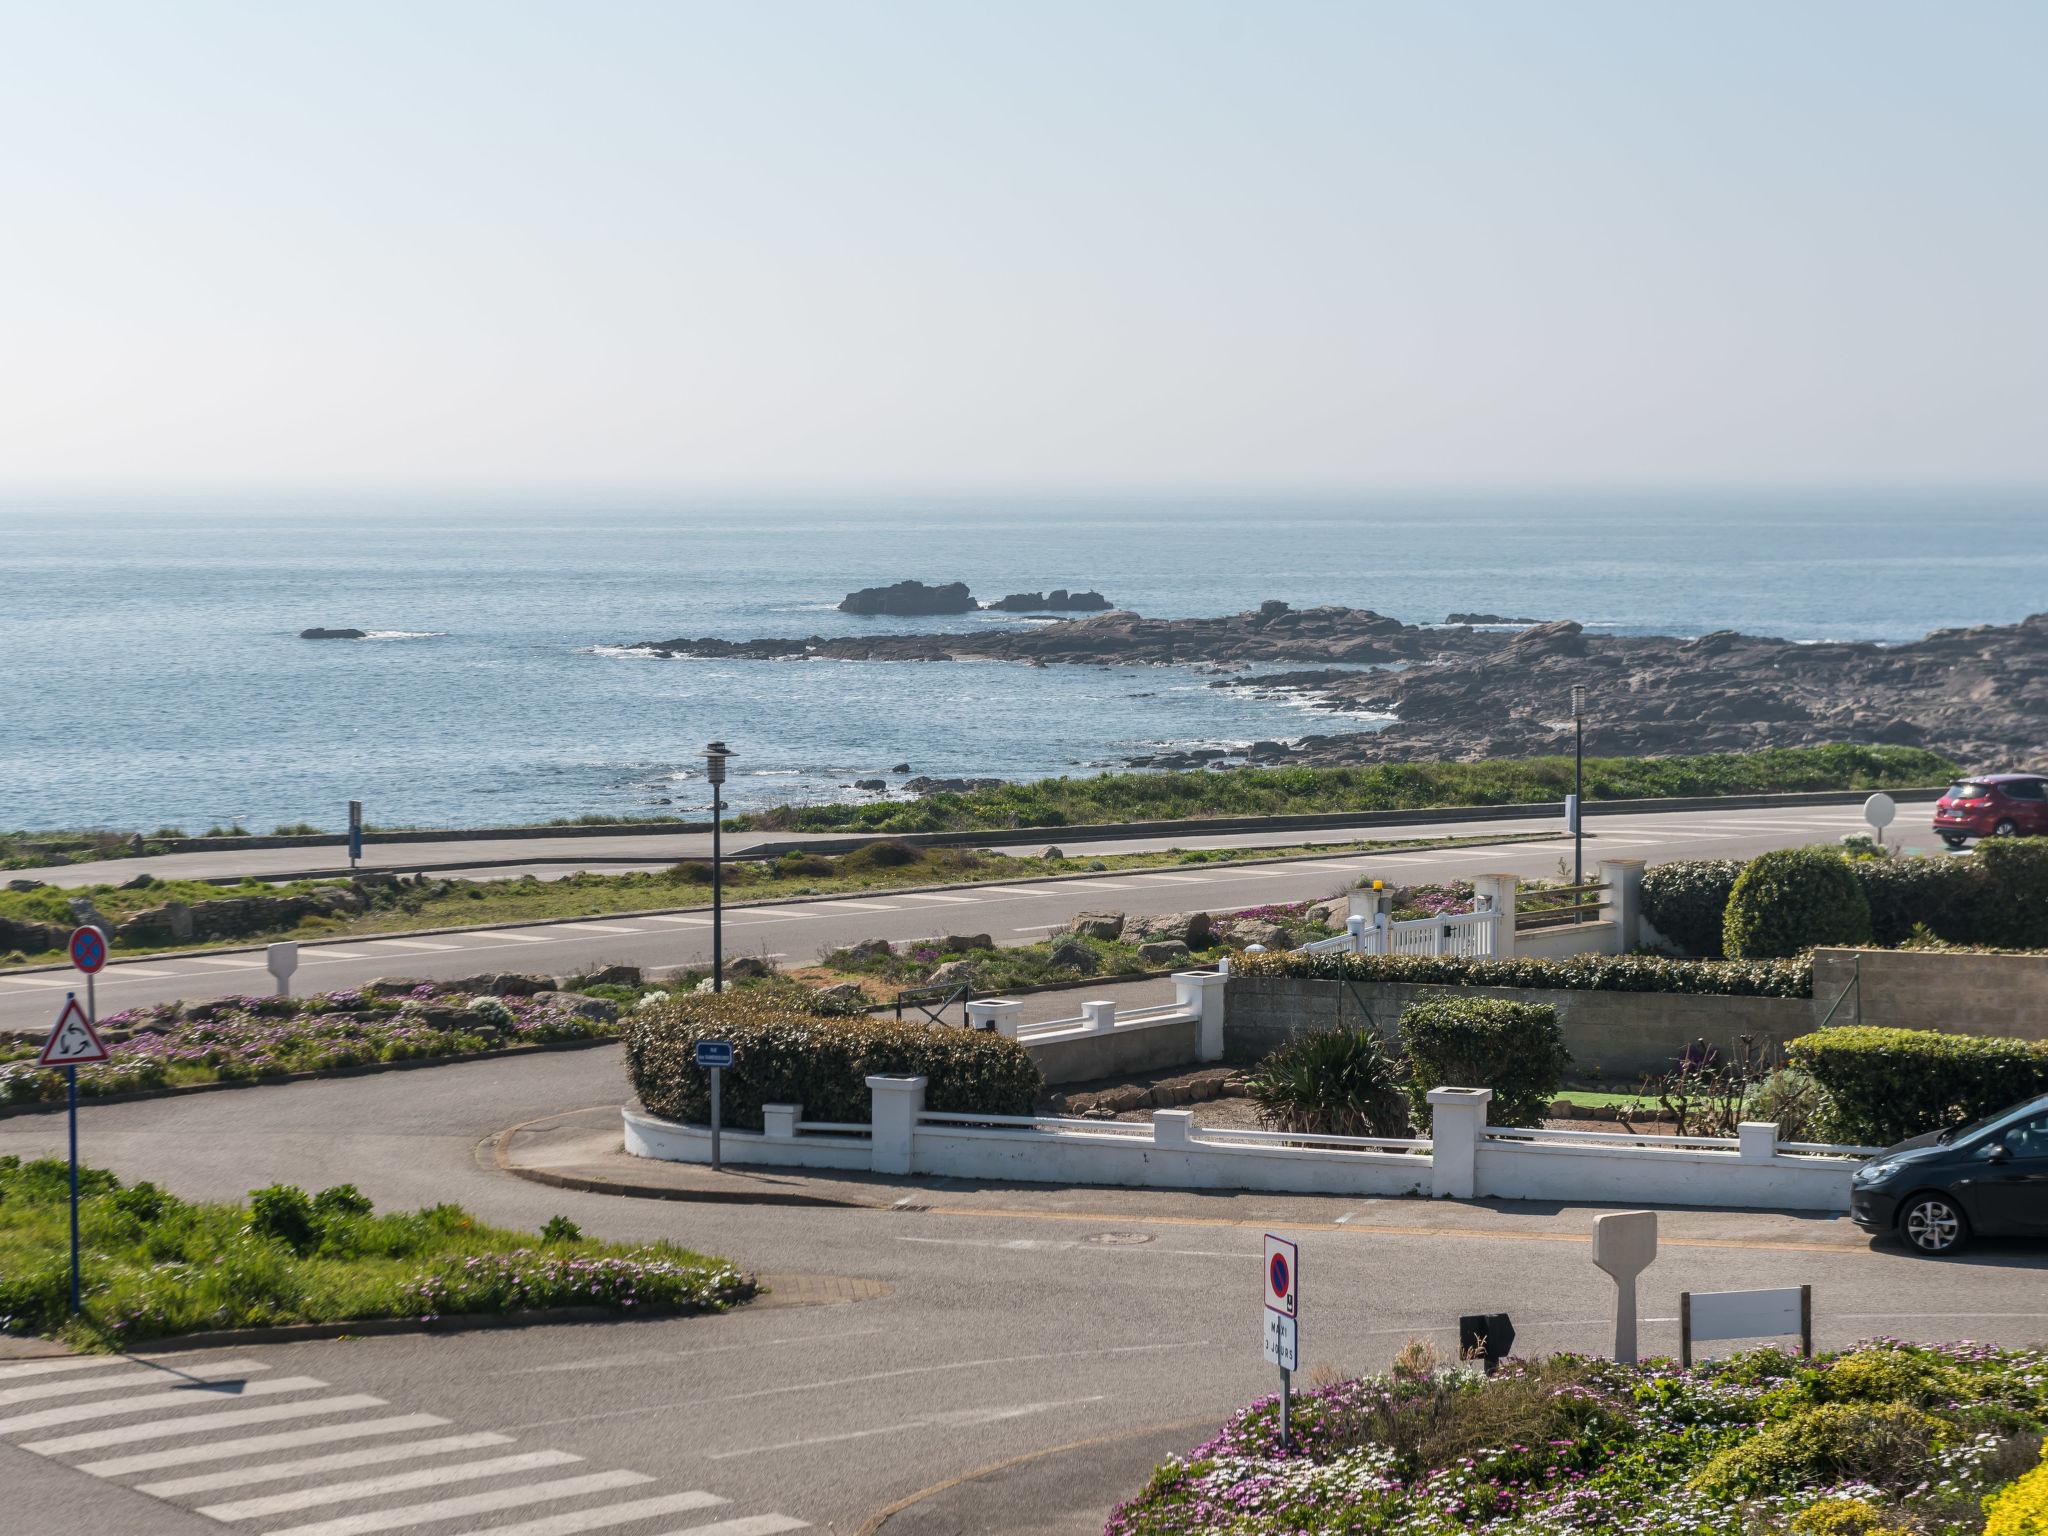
156 678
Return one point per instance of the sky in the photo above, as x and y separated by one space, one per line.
1022 245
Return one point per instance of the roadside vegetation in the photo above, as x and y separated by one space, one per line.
1886 1439
1121 797
155 1266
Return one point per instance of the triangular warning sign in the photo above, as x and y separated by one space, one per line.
73 1041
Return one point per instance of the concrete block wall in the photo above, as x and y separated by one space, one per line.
1934 989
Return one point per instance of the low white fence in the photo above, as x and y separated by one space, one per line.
1464 1159
1467 935
1103 1040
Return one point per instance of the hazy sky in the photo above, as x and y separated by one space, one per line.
1034 244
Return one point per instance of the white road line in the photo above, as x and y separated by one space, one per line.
606 928
305 1466
395 1482
160 1377
415 944
147 973
1040 928
311 955
747 1525
225 965
173 1401
128 1434
1032 890
65 980
1083 887
679 917
935 896
251 1445
638 1509
859 906
1175 879
506 936
52 1367
470 1504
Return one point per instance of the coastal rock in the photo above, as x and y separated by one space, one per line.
954 973
1163 952
1097 925
846 997
906 598
1486 618
599 1008
871 784
1074 955
333 634
962 943
610 976
1059 600
1193 929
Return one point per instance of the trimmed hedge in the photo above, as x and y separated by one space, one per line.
1685 899
1946 896
1791 899
784 1056
1579 973
1516 1049
1884 1085
2015 913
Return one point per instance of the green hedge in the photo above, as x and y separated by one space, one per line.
1884 1085
2015 906
1946 896
1516 1049
1579 973
1791 899
783 1056
1685 899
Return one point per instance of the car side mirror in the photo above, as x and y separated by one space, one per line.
1998 1152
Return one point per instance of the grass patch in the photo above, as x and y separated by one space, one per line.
155 1266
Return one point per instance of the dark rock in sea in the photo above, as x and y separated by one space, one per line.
901 768
871 784
908 598
1486 618
1059 600
333 634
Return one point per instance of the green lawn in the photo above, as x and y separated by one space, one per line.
156 1266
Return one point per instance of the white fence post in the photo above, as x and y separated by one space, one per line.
996 1013
1355 926
898 1101
1101 1017
1457 1121
1201 993
778 1121
1756 1141
1624 881
1501 888
1170 1127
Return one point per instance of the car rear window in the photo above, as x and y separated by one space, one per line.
1968 791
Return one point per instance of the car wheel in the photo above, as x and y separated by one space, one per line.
1934 1225
1952 841
2006 828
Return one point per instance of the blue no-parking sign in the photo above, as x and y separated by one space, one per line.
88 949
714 1053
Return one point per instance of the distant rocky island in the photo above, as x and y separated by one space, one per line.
907 599
1979 694
317 633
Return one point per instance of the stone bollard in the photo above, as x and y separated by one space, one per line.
898 1101
283 959
1457 1119
1624 1245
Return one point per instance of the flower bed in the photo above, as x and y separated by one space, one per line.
1886 1438
245 1038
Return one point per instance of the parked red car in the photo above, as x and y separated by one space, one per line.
1993 805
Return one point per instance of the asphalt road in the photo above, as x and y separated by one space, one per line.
1017 1319
798 932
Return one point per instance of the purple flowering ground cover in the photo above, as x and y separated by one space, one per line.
1881 1439
241 1039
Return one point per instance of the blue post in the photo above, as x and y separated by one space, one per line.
71 1082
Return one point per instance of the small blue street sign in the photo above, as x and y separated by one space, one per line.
714 1053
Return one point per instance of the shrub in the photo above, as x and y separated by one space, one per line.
1516 1049
560 1229
1884 1085
783 1054
1887 1445
1945 896
339 1201
1579 973
1843 1517
2022 1509
889 853
283 1213
493 1010
2015 908
1335 1082
1791 899
1684 901
1792 1101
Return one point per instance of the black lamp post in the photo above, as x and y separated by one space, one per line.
1578 785
714 764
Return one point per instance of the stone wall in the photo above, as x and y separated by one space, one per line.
1934 989
1614 1036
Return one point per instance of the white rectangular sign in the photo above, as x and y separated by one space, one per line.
1283 1276
1745 1314
1283 1340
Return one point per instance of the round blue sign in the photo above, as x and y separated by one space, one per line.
1279 1274
88 949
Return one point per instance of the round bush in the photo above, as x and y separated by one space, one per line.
1791 900
1685 898
1335 1082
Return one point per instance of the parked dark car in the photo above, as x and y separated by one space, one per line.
1993 805
1938 1191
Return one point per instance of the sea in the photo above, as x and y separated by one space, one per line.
155 678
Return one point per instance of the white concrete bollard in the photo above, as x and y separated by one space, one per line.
778 1121
1170 1128
1101 1017
1457 1120
898 1101
1624 1245
283 959
1201 993
996 1013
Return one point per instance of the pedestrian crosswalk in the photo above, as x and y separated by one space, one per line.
343 1465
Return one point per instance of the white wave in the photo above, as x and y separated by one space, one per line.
405 634
619 650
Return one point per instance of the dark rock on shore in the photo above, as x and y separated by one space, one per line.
909 598
1486 618
1059 600
333 634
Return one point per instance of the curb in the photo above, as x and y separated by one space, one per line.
360 1069
591 1186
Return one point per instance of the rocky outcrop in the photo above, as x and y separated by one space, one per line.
333 634
1485 618
910 598
1059 600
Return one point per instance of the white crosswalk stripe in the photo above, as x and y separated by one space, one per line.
252 1445
416 944
52 1367
198 1395
128 1434
168 1376
967 901
606 928
682 918
577 1521
393 1482
305 1466
393 1518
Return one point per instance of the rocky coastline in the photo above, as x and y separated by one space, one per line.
908 599
1979 694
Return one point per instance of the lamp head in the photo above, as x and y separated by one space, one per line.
1578 700
715 755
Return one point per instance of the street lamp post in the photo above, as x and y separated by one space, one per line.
1578 785
714 763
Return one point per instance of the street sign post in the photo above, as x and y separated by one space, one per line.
73 1041
1282 1302
1880 810
714 1056
355 833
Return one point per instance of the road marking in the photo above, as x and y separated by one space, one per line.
312 955
147 973
416 944
606 928
162 1376
469 1504
52 1367
935 896
639 1509
394 1482
280 1471
92 1440
1100 885
1174 879
860 906
1040 928
747 1525
670 1357
677 917
198 1395
250 1445
506 936
225 965
1033 890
